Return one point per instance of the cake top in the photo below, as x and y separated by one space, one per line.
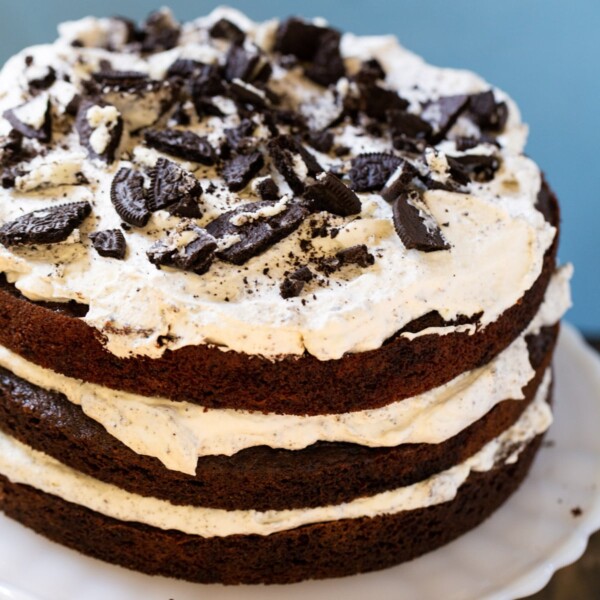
272 189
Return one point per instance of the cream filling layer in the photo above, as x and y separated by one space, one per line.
177 433
498 238
22 465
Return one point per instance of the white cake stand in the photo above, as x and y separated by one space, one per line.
511 555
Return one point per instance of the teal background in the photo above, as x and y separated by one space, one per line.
545 53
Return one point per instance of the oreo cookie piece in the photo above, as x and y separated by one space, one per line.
110 243
178 252
319 46
267 189
121 80
226 30
370 71
185 68
477 167
45 226
331 195
408 125
293 161
400 181
239 139
246 93
239 170
291 288
370 172
415 225
302 274
240 64
182 144
298 38
128 197
32 119
100 127
207 82
42 81
175 189
442 113
356 255
486 113
257 226
327 65
160 32
320 140
377 101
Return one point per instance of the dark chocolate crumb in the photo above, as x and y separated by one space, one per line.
290 288
357 255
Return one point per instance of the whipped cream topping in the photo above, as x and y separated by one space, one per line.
23 465
177 433
497 237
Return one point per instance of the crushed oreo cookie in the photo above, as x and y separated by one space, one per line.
408 129
246 93
356 255
267 189
302 274
317 46
240 64
160 32
110 243
42 81
331 195
100 127
320 140
257 233
45 226
486 113
177 250
239 139
414 224
370 71
400 181
442 113
226 30
121 80
239 170
182 144
291 288
293 161
370 172
476 167
129 198
206 82
32 119
175 189
377 101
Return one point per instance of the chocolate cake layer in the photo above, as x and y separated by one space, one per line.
258 478
331 549
216 379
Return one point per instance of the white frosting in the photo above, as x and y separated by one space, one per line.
497 237
21 464
177 433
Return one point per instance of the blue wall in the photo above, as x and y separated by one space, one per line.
545 53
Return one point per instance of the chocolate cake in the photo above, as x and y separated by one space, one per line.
276 303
